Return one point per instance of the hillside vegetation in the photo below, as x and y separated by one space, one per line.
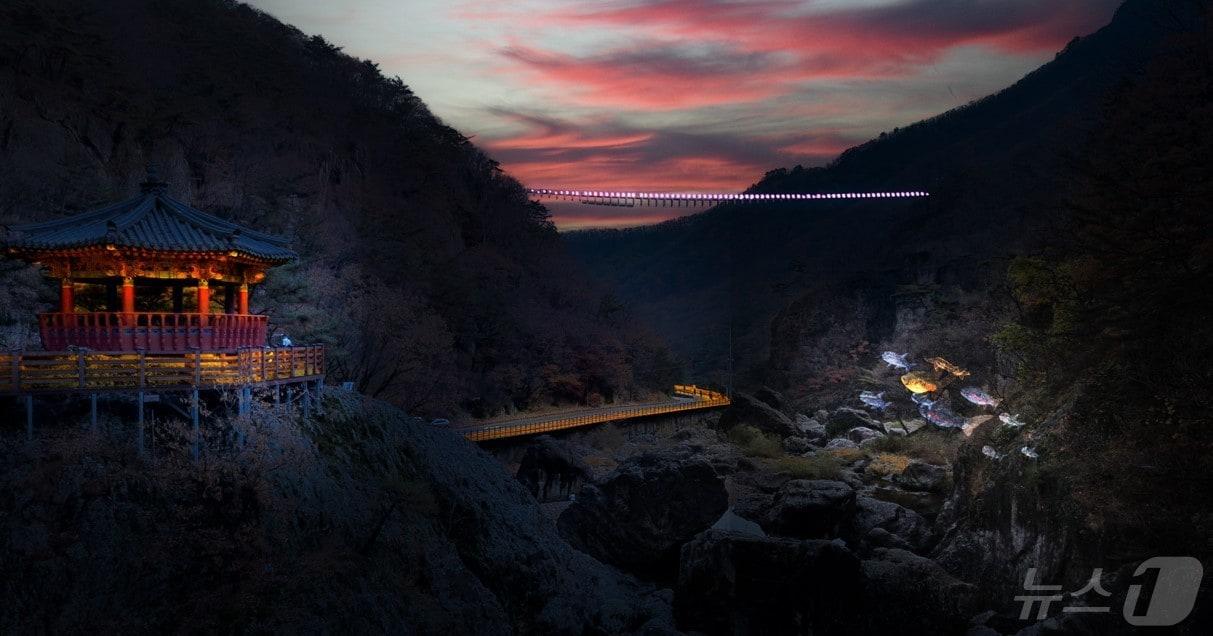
432 278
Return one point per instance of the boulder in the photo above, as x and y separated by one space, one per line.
874 517
548 467
639 516
861 434
810 509
732 522
809 427
912 590
770 397
922 477
749 410
797 445
840 442
907 427
731 583
846 418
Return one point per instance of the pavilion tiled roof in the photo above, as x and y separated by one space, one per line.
153 220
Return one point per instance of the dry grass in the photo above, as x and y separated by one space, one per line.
847 455
816 466
929 445
888 464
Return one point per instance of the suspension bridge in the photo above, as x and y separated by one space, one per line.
691 199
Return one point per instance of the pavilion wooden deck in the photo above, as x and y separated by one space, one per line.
694 399
57 372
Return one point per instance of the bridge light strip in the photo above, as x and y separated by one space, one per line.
724 196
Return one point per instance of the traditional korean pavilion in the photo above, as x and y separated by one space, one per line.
126 269
154 298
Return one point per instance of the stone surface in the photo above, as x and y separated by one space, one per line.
549 468
729 583
810 509
907 589
860 434
846 418
922 477
809 427
910 530
797 445
770 397
840 442
640 515
749 410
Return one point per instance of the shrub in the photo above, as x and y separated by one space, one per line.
847 455
754 443
816 466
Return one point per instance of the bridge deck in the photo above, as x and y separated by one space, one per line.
687 398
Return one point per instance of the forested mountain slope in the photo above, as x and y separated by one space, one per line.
435 282
996 169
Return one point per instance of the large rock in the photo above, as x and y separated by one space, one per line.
731 583
904 589
771 397
840 443
846 418
798 445
810 509
548 467
640 515
878 523
809 427
861 434
749 410
922 477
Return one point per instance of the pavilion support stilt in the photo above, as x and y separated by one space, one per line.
194 421
92 412
277 397
139 422
29 417
307 402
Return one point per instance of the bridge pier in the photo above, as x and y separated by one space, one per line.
29 418
92 412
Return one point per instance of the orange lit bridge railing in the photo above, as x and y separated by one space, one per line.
692 398
30 372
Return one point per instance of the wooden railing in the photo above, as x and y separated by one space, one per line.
704 399
25 372
150 331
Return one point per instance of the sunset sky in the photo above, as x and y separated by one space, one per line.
689 94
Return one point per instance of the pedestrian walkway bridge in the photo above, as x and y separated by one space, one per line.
687 397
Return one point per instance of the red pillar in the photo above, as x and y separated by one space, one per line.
67 297
204 297
242 300
128 295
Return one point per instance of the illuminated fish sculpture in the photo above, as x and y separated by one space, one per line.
921 399
875 400
1029 452
989 451
1012 421
943 365
941 416
896 361
920 382
978 396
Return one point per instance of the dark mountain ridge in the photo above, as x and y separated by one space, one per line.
434 281
995 169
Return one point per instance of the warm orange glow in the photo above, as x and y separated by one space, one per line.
920 382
